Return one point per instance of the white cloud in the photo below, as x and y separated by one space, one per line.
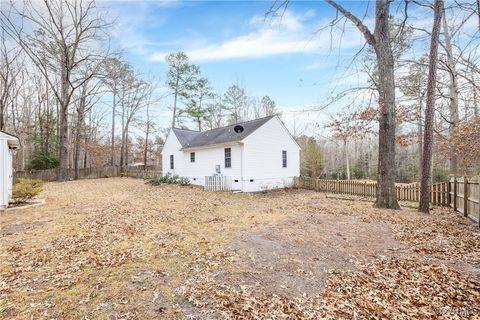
286 35
315 66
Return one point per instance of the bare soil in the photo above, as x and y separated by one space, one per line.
119 249
293 257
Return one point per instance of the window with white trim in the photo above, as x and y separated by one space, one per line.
284 158
171 162
228 157
192 156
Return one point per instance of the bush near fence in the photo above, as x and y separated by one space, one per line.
450 193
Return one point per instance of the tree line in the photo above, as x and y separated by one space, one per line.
75 102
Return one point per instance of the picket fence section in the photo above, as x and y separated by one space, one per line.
218 183
409 192
462 194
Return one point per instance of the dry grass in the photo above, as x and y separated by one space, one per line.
119 249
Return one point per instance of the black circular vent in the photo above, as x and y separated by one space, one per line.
238 128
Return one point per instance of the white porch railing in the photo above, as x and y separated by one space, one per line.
218 183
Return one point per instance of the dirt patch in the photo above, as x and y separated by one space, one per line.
22 227
294 257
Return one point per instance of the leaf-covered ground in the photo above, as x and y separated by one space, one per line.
119 249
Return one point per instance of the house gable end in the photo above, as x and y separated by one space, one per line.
284 130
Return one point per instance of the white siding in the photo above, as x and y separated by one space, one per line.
3 180
206 160
171 146
6 174
263 158
258 157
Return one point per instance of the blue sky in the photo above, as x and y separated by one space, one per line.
287 59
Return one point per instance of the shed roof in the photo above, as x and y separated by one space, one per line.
194 139
13 141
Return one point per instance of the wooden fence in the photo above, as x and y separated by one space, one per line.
450 193
88 173
410 192
218 183
464 195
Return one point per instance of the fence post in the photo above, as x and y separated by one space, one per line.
448 193
465 196
454 193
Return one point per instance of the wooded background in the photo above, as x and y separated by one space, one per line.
75 102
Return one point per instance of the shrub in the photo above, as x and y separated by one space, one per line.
439 175
169 179
26 189
43 162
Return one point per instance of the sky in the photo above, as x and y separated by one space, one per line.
290 57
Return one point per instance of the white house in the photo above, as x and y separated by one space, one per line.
8 142
257 155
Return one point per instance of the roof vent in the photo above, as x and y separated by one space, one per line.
238 128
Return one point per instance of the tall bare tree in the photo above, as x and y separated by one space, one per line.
453 93
63 40
8 73
88 95
426 184
380 41
115 71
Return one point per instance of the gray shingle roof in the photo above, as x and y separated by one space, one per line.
193 139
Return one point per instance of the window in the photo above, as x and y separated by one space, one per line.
228 157
171 162
284 158
192 156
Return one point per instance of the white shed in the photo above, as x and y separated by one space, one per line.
8 142
254 155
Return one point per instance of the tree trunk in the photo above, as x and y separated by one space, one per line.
112 152
175 103
386 193
85 154
426 184
475 103
63 129
125 164
147 131
2 111
420 135
122 147
347 162
453 90
78 136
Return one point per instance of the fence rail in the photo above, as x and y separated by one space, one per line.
462 194
218 183
88 173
